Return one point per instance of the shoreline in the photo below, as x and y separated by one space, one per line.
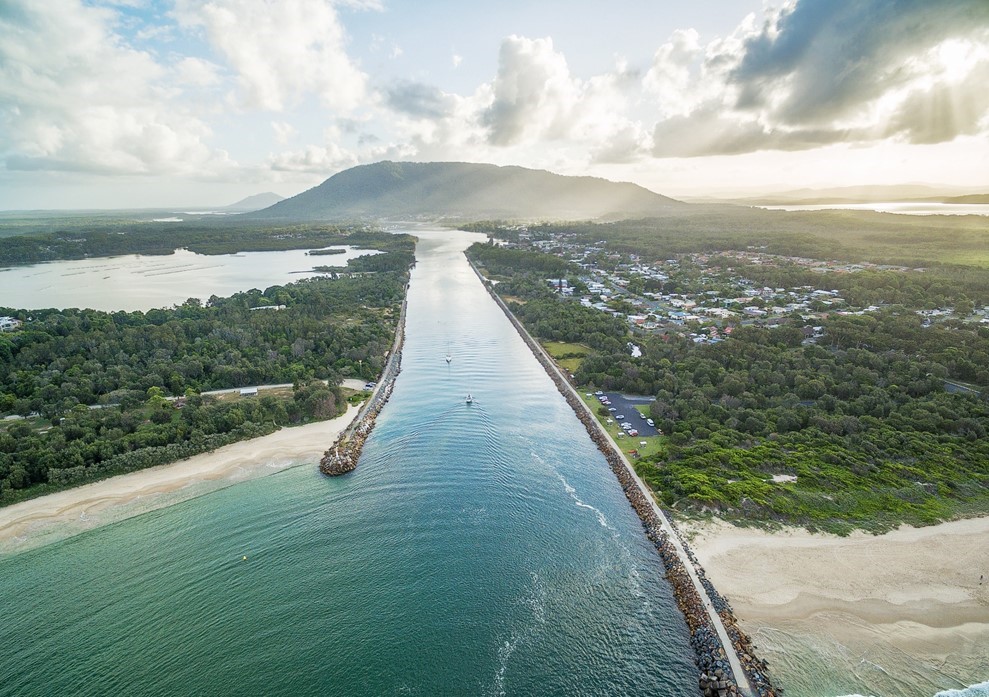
56 516
906 612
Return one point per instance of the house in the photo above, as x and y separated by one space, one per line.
9 324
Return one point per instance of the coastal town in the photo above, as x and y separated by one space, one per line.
706 296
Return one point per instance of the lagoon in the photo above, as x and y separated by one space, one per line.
142 282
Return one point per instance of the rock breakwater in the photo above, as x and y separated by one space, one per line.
343 455
717 679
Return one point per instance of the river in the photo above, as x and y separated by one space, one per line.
481 549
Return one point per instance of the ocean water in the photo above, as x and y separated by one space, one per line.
481 549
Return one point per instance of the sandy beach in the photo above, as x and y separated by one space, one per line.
56 516
906 613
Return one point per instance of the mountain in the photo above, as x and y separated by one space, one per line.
463 190
255 202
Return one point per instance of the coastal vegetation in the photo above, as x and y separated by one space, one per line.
70 238
110 392
854 236
854 429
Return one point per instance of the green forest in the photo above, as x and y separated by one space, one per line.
109 392
854 236
863 420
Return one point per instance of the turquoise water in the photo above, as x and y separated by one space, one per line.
477 550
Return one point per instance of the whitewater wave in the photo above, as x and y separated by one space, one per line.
979 690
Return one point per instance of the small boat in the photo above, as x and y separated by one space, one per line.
470 400
449 358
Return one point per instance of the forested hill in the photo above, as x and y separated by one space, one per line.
463 190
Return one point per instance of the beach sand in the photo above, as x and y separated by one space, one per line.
905 613
56 516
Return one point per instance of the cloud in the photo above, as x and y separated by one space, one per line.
709 131
536 99
74 97
817 72
281 52
671 75
197 72
626 144
418 100
944 110
534 94
284 132
318 159
821 60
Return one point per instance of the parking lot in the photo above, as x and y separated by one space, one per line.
623 405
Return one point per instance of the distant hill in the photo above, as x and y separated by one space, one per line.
255 202
972 198
463 190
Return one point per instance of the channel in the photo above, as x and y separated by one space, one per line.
477 549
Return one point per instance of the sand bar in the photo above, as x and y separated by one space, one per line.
902 613
58 515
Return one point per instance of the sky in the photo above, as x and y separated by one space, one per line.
171 103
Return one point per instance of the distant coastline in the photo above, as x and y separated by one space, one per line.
896 207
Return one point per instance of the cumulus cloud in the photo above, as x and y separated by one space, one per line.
535 98
671 77
534 94
75 97
281 51
816 72
318 159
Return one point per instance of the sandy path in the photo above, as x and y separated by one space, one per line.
902 613
109 500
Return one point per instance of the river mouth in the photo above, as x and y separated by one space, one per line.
478 549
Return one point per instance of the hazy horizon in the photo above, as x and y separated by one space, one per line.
130 104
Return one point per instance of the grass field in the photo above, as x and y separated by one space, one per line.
567 356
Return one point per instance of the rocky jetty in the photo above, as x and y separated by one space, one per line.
716 676
343 455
